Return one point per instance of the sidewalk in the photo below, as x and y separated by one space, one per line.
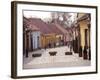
60 60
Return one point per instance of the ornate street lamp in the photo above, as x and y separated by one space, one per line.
26 32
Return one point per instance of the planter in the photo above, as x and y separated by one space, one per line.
68 53
52 53
36 55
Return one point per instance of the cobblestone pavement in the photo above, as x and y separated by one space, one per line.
60 60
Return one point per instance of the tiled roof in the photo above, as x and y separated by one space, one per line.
61 28
54 29
40 24
27 24
45 28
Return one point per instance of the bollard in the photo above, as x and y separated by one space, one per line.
26 53
85 53
80 51
89 54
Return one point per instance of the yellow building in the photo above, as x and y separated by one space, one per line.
84 27
52 38
41 34
47 39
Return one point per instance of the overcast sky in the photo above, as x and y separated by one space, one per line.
37 14
42 14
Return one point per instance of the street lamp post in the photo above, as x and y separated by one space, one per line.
27 31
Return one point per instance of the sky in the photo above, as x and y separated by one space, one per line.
37 14
44 15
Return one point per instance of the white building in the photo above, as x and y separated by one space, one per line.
36 39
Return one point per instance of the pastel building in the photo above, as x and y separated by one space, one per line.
36 39
85 26
42 35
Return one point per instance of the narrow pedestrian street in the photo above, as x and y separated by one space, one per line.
59 60
61 39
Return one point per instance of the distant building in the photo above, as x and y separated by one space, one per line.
42 35
31 35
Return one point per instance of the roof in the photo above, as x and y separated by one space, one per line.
44 28
84 17
26 23
62 29
54 29
40 24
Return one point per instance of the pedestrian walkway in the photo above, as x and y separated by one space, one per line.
60 60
